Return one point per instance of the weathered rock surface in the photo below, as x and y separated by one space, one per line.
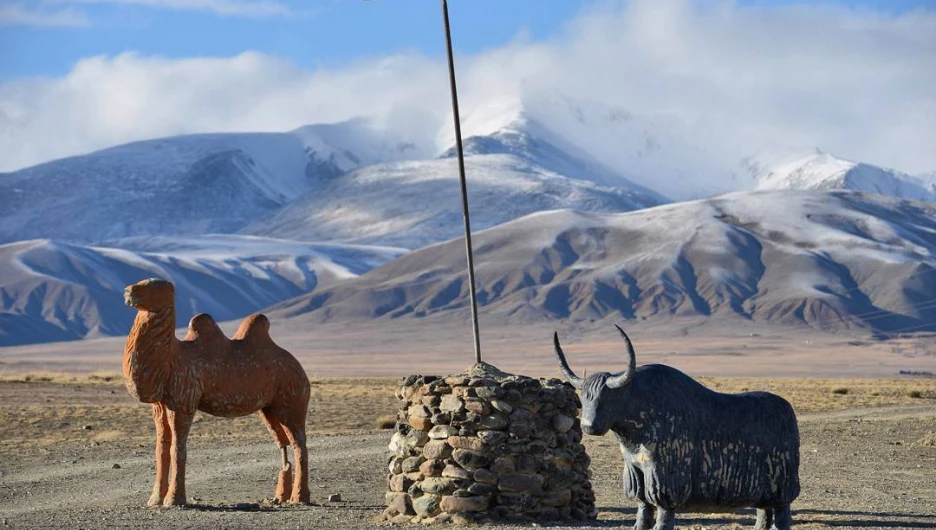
486 445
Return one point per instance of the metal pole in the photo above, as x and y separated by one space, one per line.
464 186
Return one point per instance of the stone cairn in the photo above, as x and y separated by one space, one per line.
484 446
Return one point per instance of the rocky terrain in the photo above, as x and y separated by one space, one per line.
78 454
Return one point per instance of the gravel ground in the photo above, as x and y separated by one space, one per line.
869 468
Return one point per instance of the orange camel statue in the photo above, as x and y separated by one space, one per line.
206 371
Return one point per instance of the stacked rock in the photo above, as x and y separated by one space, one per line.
486 445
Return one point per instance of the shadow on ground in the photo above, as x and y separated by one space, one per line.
830 518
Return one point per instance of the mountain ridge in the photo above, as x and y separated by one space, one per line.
52 290
827 260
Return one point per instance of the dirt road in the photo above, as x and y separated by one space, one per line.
869 468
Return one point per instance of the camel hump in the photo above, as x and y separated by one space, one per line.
254 328
203 326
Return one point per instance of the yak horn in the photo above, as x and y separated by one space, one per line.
570 375
623 378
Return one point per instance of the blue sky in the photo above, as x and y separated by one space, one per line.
47 37
312 34
854 78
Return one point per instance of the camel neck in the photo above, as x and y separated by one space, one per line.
148 355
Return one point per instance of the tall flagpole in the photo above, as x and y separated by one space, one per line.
464 186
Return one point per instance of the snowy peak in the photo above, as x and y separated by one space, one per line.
655 152
359 142
819 170
195 184
387 203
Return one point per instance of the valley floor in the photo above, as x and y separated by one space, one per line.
77 453
399 347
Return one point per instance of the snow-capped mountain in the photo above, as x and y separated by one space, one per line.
606 144
670 155
818 170
185 185
828 260
757 256
53 291
412 204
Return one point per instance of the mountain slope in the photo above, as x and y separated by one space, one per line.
56 291
828 260
411 204
823 171
184 185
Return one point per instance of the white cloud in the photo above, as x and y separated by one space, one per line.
18 14
105 101
233 8
854 82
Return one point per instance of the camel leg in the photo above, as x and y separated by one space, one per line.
180 423
284 480
161 485
295 431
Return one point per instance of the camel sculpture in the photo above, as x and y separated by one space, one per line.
206 371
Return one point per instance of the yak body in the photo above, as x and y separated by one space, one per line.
687 447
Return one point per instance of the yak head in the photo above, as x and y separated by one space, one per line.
599 390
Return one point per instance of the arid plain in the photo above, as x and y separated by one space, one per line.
77 450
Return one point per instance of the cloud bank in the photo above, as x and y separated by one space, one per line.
20 14
857 83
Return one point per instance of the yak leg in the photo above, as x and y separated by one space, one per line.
665 519
644 516
634 489
284 479
764 519
294 425
163 440
782 518
181 424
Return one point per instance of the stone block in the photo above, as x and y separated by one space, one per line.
432 468
464 504
484 476
441 432
439 485
437 449
451 403
520 483
428 505
453 471
470 460
472 443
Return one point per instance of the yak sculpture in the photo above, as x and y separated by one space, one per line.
206 371
690 448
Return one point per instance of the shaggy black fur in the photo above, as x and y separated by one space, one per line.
690 448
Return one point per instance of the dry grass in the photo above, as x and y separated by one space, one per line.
102 378
46 410
387 421
50 410
819 395
928 440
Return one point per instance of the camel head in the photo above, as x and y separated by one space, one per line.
151 295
